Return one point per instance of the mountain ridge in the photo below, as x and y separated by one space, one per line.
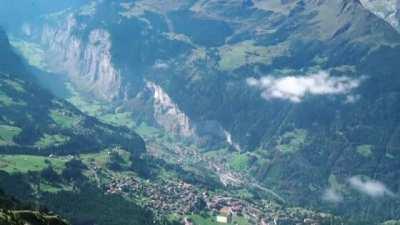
387 10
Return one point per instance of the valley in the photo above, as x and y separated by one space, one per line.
184 177
180 181
174 112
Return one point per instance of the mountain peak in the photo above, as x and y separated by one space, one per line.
389 10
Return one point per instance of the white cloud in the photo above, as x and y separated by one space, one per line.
295 88
331 195
372 188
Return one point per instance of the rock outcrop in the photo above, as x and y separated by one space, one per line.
88 63
388 10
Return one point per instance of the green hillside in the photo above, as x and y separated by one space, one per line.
39 134
13 212
35 122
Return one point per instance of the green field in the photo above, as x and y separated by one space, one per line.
201 220
26 163
8 101
64 119
291 142
98 158
240 162
99 109
247 53
118 119
7 133
15 85
146 130
92 107
5 100
52 140
211 220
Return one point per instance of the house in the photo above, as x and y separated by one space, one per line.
225 215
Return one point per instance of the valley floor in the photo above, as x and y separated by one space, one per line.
174 182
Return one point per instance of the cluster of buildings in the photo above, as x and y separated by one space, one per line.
121 185
225 208
183 199
180 198
167 197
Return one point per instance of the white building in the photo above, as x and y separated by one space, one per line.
224 216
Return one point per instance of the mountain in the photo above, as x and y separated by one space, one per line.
42 138
35 122
93 173
302 94
387 10
101 59
15 213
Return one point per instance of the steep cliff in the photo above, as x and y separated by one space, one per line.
87 62
166 112
110 62
387 10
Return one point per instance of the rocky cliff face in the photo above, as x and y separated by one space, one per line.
100 65
87 62
388 10
168 114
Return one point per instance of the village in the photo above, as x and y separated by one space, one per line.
184 199
173 196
